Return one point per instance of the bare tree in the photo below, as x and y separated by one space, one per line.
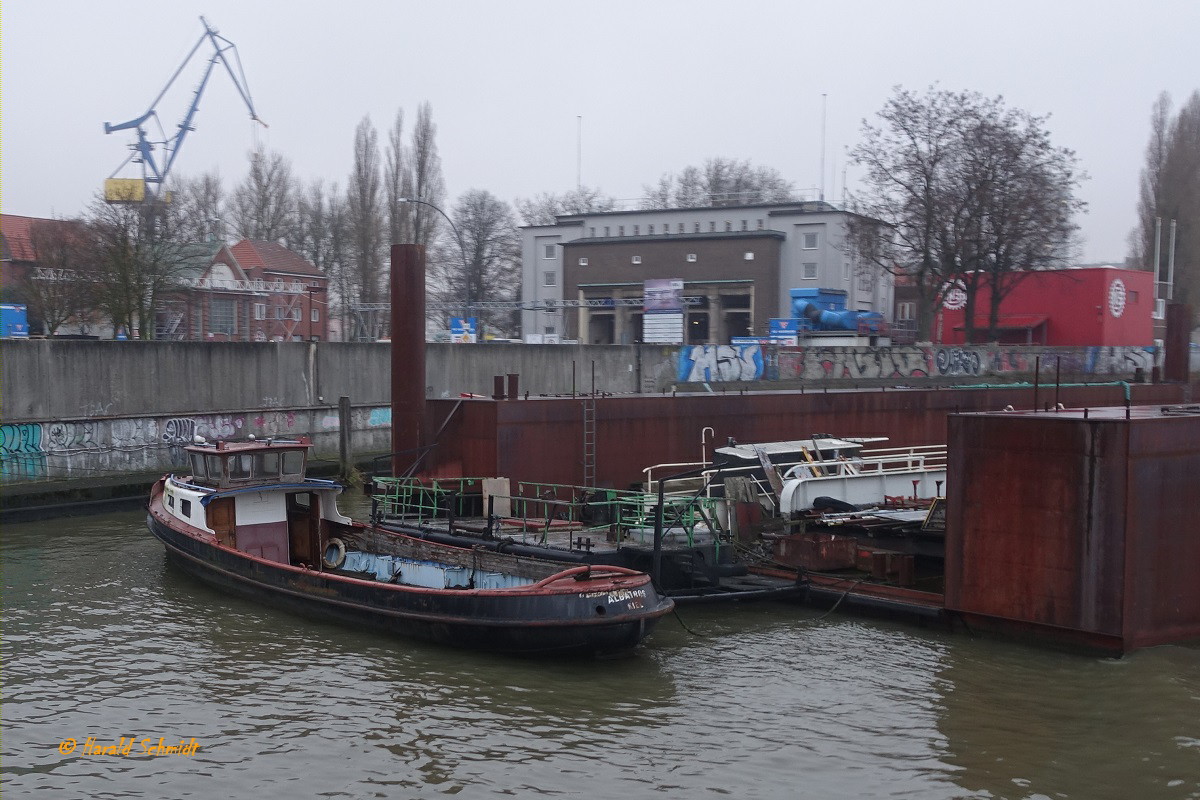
1170 190
488 265
426 182
1017 191
542 209
138 252
324 240
364 207
263 205
395 173
908 214
962 192
201 203
1141 239
718 182
59 289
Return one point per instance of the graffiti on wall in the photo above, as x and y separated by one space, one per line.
855 363
720 363
958 361
65 437
181 431
819 363
21 454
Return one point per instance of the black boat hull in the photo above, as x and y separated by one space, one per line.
593 621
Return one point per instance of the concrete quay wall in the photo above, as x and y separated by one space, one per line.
80 408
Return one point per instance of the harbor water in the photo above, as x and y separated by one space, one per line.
108 648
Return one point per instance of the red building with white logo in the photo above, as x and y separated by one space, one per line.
1081 306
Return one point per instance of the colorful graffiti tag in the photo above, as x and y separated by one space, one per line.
720 363
853 363
21 454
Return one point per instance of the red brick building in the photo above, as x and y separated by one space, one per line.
251 291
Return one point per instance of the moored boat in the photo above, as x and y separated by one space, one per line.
248 520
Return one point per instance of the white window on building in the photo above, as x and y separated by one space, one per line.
691 257
906 311
592 232
635 260
550 278
224 316
548 252
295 315
760 223
315 315
810 241
866 280
620 230
809 271
748 255
549 330
745 225
728 226
279 312
260 310
583 262
636 230
846 271
606 230
650 229
712 226
1160 309
696 228
681 227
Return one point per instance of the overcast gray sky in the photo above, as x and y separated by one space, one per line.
659 85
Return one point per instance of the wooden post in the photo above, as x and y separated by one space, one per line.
345 454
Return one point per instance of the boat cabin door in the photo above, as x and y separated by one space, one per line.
304 525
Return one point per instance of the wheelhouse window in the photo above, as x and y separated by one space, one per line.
266 466
198 470
185 508
293 464
239 467
215 467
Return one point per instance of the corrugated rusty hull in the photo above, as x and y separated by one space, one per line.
1081 530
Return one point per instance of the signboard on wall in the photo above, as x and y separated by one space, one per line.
662 306
462 330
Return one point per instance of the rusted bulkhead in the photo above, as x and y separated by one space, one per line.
1080 528
542 439
408 354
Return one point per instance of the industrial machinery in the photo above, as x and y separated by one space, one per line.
155 169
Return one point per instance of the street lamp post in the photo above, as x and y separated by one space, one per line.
462 250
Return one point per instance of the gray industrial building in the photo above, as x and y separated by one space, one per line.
737 262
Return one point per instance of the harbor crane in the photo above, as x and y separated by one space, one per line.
156 169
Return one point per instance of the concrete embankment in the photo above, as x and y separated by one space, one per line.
78 412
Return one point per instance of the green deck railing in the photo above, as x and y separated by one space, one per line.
535 509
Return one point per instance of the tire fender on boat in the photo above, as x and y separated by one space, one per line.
338 556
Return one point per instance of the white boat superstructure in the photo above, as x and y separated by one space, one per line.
790 475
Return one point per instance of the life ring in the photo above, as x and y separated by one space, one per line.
338 548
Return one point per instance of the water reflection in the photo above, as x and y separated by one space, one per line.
1022 722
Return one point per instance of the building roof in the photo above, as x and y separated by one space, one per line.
252 254
792 206
18 244
1009 322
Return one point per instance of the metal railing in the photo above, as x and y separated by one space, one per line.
531 511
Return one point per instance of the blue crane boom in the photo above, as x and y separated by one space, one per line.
154 174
